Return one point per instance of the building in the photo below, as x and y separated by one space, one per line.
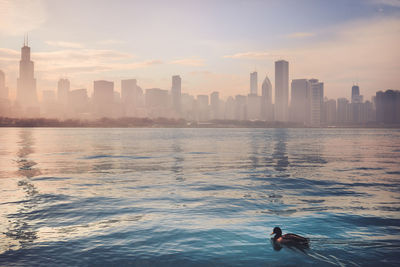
176 93
300 101
388 107
281 90
253 107
202 108
5 104
330 112
78 103
188 107
355 94
343 111
103 98
3 88
63 87
157 103
131 98
240 107
266 100
316 102
215 105
26 83
253 83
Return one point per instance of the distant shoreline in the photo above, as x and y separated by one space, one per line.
130 122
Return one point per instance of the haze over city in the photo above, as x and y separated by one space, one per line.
212 45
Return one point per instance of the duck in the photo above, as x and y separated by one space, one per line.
289 239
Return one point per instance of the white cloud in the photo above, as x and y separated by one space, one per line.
110 42
20 17
64 44
189 62
250 55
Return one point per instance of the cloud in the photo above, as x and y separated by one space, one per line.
19 17
110 42
250 55
391 3
189 62
64 44
300 35
364 50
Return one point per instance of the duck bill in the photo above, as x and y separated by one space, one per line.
271 233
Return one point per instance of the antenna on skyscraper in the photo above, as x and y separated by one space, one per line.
27 40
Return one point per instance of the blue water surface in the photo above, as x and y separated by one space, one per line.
198 197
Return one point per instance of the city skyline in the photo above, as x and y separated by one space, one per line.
355 45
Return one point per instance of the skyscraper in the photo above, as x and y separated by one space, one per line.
281 90
3 88
176 93
266 100
253 83
355 94
317 98
103 98
63 87
300 101
26 83
215 105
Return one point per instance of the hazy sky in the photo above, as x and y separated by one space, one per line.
213 45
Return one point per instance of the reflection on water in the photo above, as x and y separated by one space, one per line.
198 196
20 228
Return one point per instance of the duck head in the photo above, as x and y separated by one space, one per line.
277 232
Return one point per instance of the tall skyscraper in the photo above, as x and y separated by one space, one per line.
3 88
300 102
388 107
316 103
176 93
215 105
266 100
355 94
103 98
63 87
26 83
253 83
281 90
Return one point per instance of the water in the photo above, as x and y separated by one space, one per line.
173 197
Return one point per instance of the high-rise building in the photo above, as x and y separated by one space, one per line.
215 106
316 101
103 98
253 107
355 94
330 111
3 88
266 100
343 111
202 107
63 87
78 102
240 107
131 97
281 90
253 83
300 101
176 92
388 107
26 83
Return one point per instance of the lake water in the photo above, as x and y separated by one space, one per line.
170 197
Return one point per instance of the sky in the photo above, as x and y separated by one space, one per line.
212 44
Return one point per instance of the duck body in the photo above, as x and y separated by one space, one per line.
289 239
